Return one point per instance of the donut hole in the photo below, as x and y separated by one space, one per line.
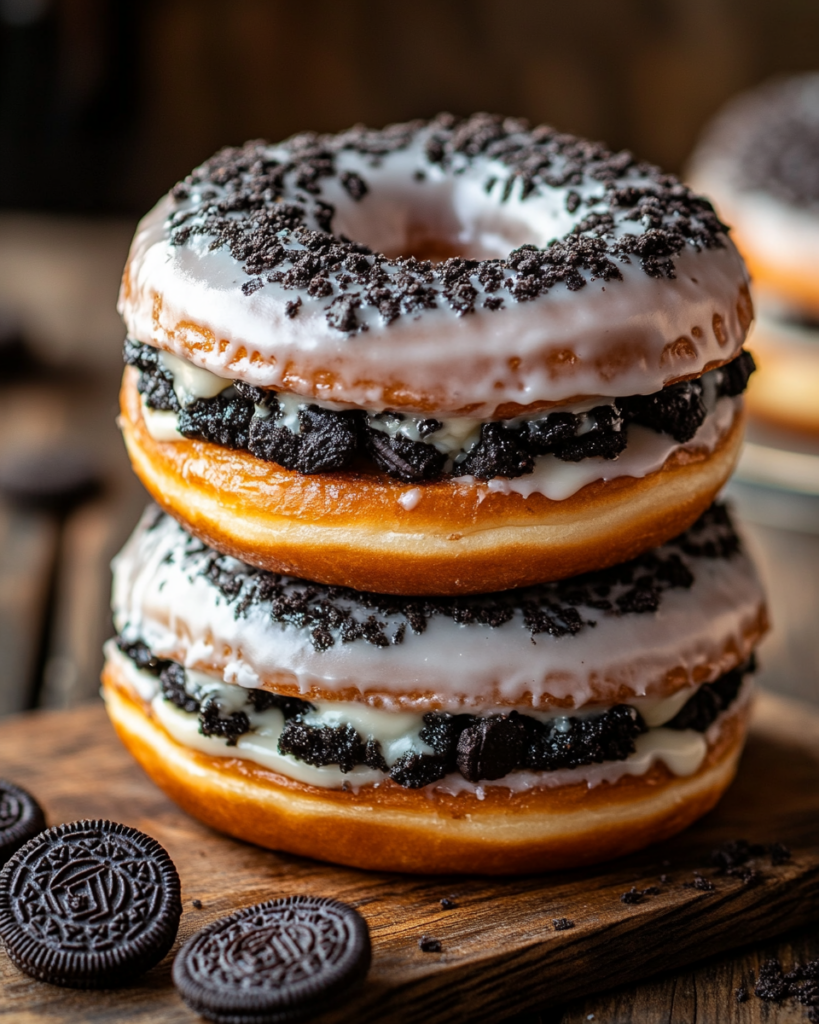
438 220
423 247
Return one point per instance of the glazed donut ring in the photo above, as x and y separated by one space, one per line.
758 160
562 397
511 732
593 274
358 529
392 829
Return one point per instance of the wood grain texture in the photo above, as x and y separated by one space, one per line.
501 954
55 579
704 995
645 78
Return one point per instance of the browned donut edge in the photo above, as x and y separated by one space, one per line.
602 691
348 528
623 348
387 828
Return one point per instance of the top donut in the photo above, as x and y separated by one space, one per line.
572 271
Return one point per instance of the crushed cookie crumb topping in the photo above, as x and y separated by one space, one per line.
331 615
268 206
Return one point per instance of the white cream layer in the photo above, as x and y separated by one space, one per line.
560 345
682 751
181 615
646 451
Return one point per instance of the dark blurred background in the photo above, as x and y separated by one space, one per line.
104 104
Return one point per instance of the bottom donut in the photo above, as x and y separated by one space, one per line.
485 830
522 731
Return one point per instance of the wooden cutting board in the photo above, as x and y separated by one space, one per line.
500 952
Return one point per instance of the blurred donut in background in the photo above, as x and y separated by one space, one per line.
759 161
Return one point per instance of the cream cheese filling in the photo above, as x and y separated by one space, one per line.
682 751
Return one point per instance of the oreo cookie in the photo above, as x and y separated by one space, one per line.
21 818
90 904
280 961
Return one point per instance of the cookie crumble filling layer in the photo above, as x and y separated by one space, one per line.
412 750
182 401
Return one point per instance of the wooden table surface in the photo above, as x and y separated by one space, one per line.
501 953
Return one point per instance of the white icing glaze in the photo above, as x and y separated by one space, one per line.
387 726
682 751
553 348
180 614
410 499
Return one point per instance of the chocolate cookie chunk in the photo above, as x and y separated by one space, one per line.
90 904
21 818
284 960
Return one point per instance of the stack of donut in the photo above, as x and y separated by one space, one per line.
759 159
435 417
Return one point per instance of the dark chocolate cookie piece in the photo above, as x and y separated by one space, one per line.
328 441
155 383
732 379
323 745
284 960
678 410
402 458
492 747
224 419
90 904
499 452
21 818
